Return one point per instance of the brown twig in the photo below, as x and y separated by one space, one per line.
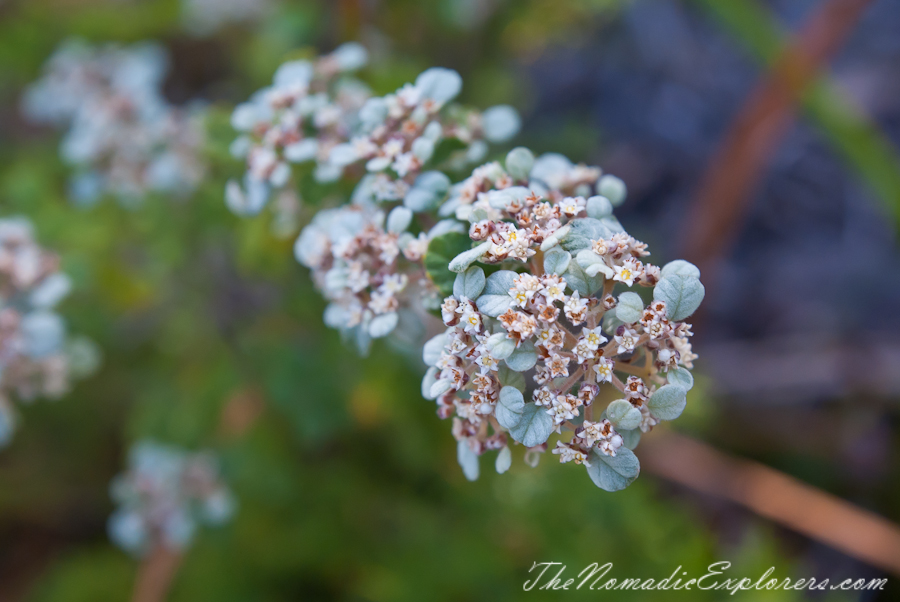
776 496
155 575
726 188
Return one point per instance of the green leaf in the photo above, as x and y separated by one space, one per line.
523 358
462 261
556 260
510 378
509 408
682 377
582 232
599 207
680 267
682 294
614 473
630 438
467 459
500 346
431 351
534 427
579 281
623 415
504 460
469 284
629 308
495 300
668 402
429 381
441 250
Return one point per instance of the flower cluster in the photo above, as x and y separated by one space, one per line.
369 268
311 107
34 358
315 112
163 495
555 314
123 137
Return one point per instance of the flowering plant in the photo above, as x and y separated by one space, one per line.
123 137
35 357
163 495
556 312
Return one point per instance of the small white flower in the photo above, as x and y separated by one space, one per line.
604 369
626 341
594 337
628 271
570 453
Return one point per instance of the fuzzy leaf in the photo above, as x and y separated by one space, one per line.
579 281
668 402
630 307
534 427
469 284
500 346
556 260
382 325
510 378
504 460
523 358
623 415
582 232
509 408
682 377
599 207
462 261
428 381
614 473
680 267
495 300
431 351
682 294
468 460
631 438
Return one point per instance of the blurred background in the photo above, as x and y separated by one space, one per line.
347 483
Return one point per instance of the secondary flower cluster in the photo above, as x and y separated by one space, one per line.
34 359
311 106
315 112
123 137
368 267
162 497
556 315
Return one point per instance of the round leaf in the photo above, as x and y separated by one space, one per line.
556 260
382 325
469 284
682 294
468 460
614 473
680 267
630 307
623 415
534 427
668 402
509 408
510 378
682 377
504 460
523 358
431 352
